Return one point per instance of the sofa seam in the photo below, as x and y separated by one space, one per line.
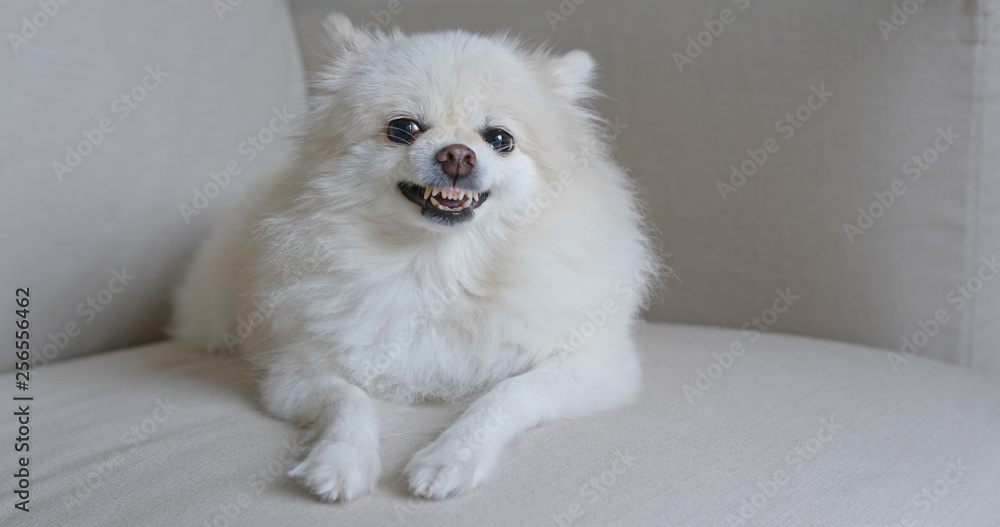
981 38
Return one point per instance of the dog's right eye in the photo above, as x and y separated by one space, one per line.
403 131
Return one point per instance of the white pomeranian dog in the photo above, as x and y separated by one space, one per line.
452 229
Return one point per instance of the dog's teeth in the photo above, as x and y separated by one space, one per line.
432 193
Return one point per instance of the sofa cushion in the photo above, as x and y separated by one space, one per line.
114 116
789 431
819 106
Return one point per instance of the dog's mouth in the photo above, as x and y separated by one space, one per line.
447 205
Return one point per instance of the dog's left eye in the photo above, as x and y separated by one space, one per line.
403 131
500 140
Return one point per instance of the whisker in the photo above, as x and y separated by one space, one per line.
407 132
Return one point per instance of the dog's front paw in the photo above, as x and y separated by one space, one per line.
445 469
340 470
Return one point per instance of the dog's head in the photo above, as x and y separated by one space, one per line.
441 130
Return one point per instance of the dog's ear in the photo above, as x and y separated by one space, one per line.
574 75
343 34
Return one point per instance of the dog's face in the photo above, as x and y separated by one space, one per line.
448 129
453 137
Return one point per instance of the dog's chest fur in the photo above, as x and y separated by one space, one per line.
434 342
439 326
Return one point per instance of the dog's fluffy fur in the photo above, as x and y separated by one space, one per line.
344 292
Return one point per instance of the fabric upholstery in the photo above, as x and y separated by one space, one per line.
682 126
795 431
729 430
153 98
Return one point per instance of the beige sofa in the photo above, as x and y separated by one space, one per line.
823 174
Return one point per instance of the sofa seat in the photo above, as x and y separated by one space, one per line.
794 431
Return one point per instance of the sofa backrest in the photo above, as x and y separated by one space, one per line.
758 127
127 128
842 157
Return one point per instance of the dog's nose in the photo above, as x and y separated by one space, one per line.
457 160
